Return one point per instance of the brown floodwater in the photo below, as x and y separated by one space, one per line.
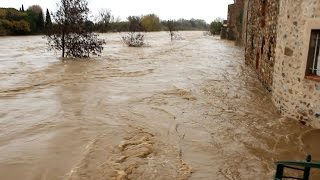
187 109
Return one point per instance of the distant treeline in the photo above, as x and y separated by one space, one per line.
32 21
151 23
21 22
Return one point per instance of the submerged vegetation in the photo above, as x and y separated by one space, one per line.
135 37
72 32
171 28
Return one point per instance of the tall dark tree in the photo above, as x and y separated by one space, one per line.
35 18
48 22
40 22
35 8
22 8
71 34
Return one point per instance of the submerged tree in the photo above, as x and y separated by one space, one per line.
134 38
171 28
71 34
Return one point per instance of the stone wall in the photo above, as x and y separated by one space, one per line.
234 22
238 18
261 37
223 33
294 95
230 19
231 22
244 23
276 35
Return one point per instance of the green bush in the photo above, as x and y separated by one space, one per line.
215 26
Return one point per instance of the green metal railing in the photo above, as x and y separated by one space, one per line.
304 166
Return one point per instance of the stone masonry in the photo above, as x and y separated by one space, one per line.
276 37
293 93
233 30
261 38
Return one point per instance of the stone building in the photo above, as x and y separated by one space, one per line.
233 30
224 30
296 83
231 22
282 42
261 37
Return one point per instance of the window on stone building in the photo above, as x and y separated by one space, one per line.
313 63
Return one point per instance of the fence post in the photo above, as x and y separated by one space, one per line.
306 173
279 172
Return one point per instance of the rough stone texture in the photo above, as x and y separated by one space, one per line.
288 51
293 94
223 33
261 37
238 16
230 19
231 22
276 36
234 22
244 23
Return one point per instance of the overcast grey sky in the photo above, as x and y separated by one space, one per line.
165 9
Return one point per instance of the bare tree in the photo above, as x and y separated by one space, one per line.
71 34
135 24
171 27
104 19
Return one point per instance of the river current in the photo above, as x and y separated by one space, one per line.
187 109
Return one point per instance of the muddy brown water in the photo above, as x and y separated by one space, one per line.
188 109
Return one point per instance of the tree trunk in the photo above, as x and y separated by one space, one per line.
63 42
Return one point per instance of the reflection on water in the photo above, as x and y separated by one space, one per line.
171 110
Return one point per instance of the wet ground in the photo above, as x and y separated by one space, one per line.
188 109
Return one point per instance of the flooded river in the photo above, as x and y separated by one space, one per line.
187 109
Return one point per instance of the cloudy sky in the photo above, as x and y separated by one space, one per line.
165 9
